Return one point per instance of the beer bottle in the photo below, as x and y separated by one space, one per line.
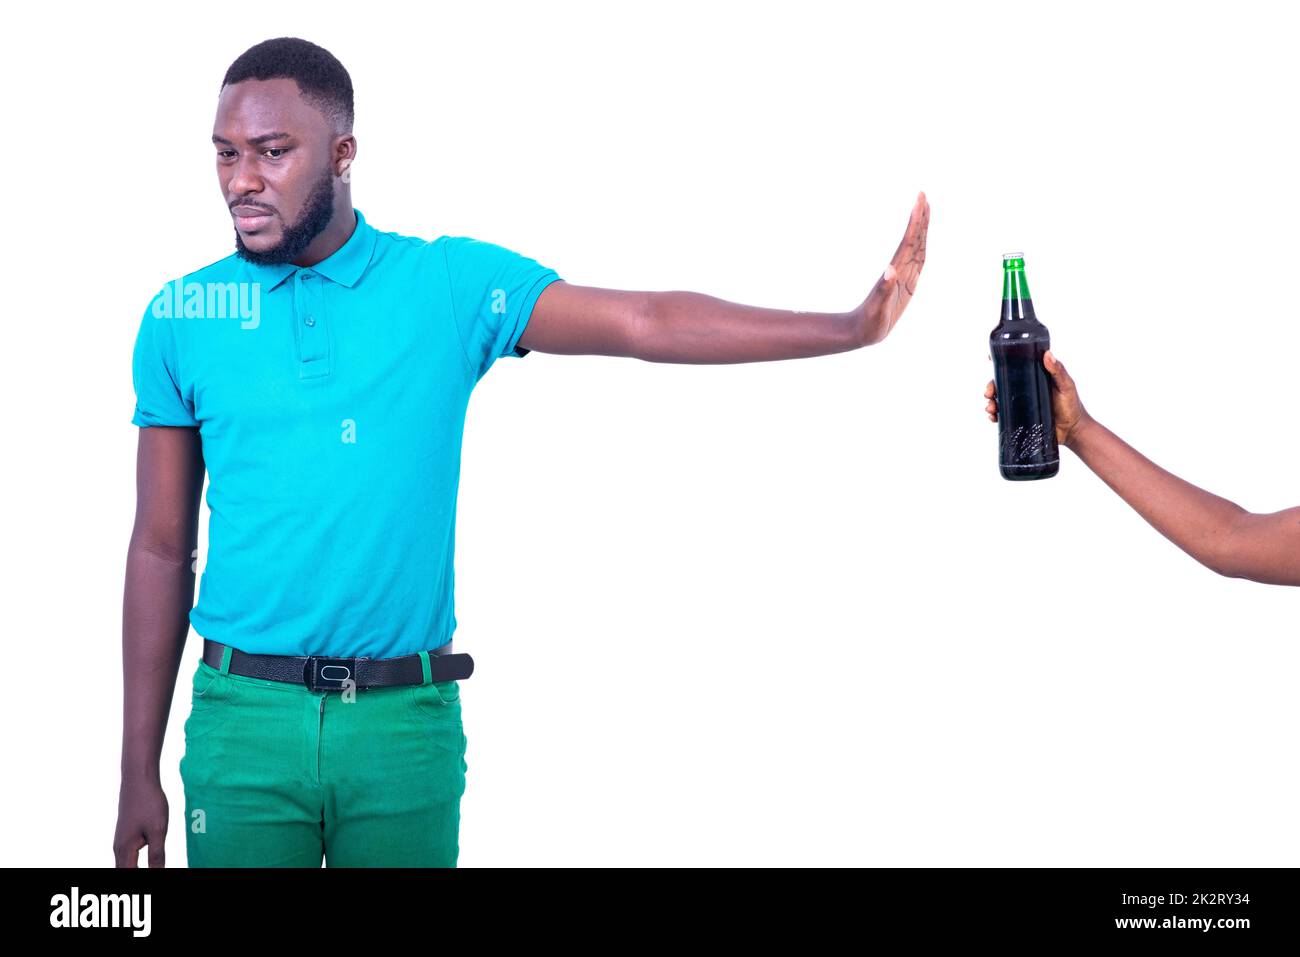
1026 432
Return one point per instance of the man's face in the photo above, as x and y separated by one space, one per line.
275 166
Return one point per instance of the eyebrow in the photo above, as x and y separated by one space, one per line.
254 140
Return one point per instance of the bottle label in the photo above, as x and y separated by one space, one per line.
1029 446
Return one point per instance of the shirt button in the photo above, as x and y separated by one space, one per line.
307 275
310 320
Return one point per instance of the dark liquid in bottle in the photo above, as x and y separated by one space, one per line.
1026 431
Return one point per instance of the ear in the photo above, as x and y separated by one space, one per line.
345 151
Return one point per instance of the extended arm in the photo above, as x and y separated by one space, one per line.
690 327
1218 533
155 621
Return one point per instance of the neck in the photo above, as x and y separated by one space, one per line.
1016 301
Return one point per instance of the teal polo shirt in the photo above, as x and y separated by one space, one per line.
330 400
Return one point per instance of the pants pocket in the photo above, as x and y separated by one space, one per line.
436 708
212 698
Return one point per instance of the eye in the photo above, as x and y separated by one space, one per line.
277 150
225 154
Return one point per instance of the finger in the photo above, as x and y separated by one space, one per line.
157 847
901 252
991 407
925 231
1057 370
912 246
922 234
990 391
881 291
127 854
918 229
993 417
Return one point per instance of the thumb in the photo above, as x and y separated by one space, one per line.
1057 370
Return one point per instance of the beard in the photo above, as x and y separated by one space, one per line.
316 215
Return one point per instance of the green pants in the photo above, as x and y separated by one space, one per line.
278 775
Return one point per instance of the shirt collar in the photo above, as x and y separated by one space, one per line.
345 265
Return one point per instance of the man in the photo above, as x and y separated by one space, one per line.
320 374
1218 533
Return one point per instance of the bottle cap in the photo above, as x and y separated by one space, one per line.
1006 256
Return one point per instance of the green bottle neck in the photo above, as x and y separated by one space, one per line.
1016 301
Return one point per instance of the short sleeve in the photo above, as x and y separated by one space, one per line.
493 290
159 399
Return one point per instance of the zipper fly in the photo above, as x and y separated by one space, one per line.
320 730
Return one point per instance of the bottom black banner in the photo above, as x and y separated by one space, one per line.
1232 908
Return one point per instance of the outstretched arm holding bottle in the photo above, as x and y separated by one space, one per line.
1218 533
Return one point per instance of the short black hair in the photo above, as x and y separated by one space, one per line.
320 76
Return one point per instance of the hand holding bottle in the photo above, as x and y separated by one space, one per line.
1068 412
1027 447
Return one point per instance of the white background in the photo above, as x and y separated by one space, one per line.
777 613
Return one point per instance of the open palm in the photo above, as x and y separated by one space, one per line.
884 306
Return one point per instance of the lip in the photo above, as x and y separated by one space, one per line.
248 218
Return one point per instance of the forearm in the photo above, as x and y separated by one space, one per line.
155 621
1216 532
689 327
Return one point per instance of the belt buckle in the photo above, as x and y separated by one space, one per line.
328 674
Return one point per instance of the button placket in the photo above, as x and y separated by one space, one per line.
312 330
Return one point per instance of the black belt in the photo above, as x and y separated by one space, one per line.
320 673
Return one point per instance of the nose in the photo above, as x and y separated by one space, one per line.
244 180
